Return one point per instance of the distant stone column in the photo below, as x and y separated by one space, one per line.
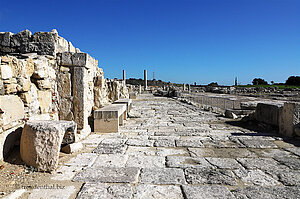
124 76
183 87
189 87
145 79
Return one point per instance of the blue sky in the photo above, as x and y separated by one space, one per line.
182 41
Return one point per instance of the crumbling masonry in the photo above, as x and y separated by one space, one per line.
44 77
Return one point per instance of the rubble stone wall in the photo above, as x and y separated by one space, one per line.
44 77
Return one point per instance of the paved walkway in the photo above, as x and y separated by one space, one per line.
173 150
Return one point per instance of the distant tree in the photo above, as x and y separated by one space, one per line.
259 81
293 80
213 84
272 82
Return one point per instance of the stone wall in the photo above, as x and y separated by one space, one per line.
44 77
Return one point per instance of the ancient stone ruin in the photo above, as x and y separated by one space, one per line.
44 77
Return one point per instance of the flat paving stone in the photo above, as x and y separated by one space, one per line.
171 152
224 163
221 152
145 191
164 143
260 163
294 150
293 163
186 162
57 191
271 153
207 192
145 161
105 191
286 176
256 177
274 192
210 176
140 142
256 143
108 174
189 143
82 160
134 150
162 176
113 149
110 160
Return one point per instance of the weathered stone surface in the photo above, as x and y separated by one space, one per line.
260 163
12 108
145 161
171 152
114 149
162 176
53 191
102 190
276 192
256 143
293 163
139 142
132 150
41 141
110 160
25 84
210 176
6 72
268 113
221 152
82 160
255 177
207 192
107 174
164 143
157 191
45 100
186 162
224 163
289 118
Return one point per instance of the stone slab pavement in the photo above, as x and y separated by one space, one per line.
171 150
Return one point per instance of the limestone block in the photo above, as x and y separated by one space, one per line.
289 119
21 37
13 109
80 102
25 84
6 72
5 38
71 48
44 84
29 69
44 37
80 59
66 59
41 141
26 98
268 113
16 67
41 48
132 95
230 114
62 45
34 107
45 99
40 68
72 148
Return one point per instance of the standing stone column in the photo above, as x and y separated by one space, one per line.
145 79
124 76
189 87
183 87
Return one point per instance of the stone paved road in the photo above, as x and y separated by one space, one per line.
172 150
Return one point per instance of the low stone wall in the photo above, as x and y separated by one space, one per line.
44 77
